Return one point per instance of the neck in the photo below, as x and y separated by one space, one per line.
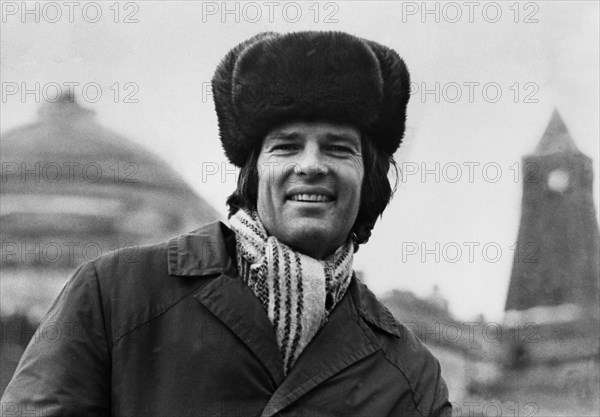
313 250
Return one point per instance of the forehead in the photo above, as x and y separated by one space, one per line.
314 130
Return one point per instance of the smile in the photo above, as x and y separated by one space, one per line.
311 198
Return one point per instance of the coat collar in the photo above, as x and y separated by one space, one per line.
204 251
210 249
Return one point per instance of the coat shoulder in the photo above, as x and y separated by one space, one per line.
136 287
404 350
131 262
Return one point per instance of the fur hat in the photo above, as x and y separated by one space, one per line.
273 78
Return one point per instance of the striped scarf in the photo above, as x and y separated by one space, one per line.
297 291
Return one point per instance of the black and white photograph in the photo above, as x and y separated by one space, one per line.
300 208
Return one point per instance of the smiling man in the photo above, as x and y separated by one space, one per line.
264 317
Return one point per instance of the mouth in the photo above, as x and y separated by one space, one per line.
311 198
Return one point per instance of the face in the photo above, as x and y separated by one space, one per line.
309 183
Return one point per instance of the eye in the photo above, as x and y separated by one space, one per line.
284 147
339 149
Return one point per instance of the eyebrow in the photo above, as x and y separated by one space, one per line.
342 137
349 139
284 136
329 137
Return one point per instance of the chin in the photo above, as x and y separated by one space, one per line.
310 234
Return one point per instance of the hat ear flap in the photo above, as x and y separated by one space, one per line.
389 128
233 139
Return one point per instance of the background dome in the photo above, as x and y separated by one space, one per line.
73 190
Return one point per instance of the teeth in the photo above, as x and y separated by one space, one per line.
319 198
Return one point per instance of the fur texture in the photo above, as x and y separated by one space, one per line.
333 76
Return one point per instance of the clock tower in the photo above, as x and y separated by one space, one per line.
556 269
551 334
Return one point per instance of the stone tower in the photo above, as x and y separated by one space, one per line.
556 269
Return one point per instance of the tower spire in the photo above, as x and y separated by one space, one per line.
556 138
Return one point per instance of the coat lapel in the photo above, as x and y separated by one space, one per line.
343 341
230 300
204 252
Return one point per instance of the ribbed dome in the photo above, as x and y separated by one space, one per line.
67 132
67 178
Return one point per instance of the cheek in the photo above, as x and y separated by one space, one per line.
268 188
359 192
355 183
263 191
352 191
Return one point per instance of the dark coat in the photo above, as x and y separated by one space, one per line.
173 331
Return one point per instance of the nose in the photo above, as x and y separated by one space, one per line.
311 162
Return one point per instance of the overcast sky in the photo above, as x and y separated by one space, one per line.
500 69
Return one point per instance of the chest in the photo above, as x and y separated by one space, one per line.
191 361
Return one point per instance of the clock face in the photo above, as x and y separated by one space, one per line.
558 180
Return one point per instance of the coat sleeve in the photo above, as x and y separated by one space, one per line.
429 397
440 406
65 370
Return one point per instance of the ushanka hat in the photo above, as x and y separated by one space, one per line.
330 76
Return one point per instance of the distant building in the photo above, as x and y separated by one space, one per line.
72 190
467 350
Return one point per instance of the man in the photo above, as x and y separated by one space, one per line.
265 318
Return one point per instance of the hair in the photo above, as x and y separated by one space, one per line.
376 190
